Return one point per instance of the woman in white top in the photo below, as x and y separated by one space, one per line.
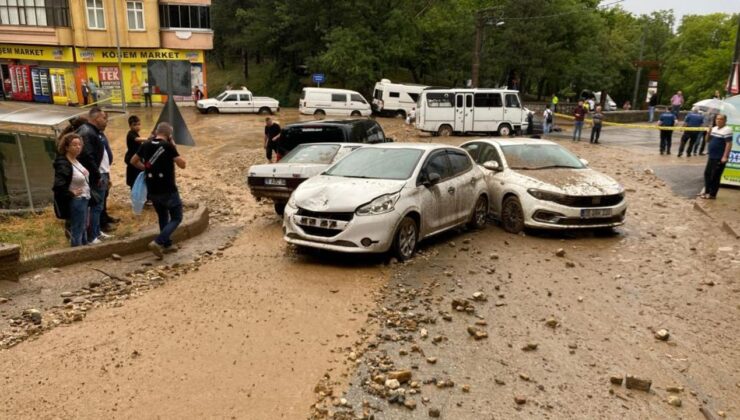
72 187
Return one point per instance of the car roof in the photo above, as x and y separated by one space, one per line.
471 90
333 143
512 141
418 146
238 91
320 89
330 122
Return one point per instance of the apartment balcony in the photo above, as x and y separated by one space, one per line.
36 35
186 39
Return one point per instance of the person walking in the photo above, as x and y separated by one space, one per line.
158 158
555 101
273 133
598 119
666 119
72 187
547 120
97 155
133 142
652 103
676 103
720 144
93 88
579 114
147 93
85 93
197 95
692 120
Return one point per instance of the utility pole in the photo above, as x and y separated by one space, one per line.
118 52
639 68
735 61
476 49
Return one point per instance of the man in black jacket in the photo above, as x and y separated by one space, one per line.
96 153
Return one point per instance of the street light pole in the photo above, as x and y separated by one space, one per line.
118 53
480 16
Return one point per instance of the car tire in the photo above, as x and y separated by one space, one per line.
480 214
319 113
504 130
265 111
407 236
444 130
212 110
512 215
279 208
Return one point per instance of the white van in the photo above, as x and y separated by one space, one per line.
444 112
326 101
395 99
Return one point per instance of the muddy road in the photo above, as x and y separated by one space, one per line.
238 325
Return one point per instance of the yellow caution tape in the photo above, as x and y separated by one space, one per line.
647 126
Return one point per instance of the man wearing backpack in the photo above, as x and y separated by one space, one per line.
547 118
158 158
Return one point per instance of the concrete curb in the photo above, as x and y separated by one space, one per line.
194 223
728 228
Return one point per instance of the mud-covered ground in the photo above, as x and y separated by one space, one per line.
238 325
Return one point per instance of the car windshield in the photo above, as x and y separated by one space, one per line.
222 96
540 156
312 153
294 136
377 163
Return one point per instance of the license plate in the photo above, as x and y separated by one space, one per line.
274 181
312 221
595 213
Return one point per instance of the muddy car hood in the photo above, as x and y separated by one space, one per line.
287 170
571 181
339 194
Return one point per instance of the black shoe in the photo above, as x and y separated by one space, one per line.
668 153
661 152
687 155
114 220
108 227
679 155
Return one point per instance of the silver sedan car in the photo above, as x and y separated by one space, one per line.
387 198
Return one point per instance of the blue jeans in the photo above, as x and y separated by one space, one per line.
78 221
651 113
97 209
577 128
546 127
169 212
676 109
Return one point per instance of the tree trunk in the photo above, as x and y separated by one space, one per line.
414 74
258 58
245 63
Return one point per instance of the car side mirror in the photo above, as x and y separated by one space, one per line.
584 162
432 179
492 165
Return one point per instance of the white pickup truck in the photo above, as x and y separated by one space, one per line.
233 101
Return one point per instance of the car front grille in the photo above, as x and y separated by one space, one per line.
319 231
343 216
590 200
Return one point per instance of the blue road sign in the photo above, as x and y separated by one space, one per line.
318 78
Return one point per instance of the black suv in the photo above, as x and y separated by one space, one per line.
345 131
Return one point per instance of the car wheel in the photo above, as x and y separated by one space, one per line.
404 244
319 113
212 110
504 130
444 131
512 215
480 214
265 110
401 114
279 208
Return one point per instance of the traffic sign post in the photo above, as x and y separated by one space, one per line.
318 78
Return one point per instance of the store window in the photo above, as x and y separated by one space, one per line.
34 12
95 14
135 14
175 16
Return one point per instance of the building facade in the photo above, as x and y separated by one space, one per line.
49 48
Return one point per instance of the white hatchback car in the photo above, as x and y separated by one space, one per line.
540 184
387 197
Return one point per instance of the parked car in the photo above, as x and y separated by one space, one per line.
387 197
277 181
342 131
327 101
540 184
233 101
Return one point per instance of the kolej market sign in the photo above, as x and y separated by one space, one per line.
35 52
129 55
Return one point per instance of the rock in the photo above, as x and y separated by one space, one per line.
524 377
530 347
410 404
480 296
392 384
616 380
649 171
493 256
674 401
674 389
434 412
499 381
580 298
67 294
570 264
431 360
3 300
477 333
402 376
552 323
662 334
638 384
33 314
560 252
424 333
520 399
116 257
465 388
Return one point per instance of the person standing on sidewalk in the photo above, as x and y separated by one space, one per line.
147 93
693 120
133 142
158 158
72 188
273 132
547 120
555 101
666 119
598 119
652 103
676 103
578 114
720 144
93 87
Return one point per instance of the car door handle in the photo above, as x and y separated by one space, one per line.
451 190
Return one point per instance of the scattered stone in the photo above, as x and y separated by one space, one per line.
570 264
3 300
462 305
616 380
116 257
410 404
674 389
34 315
552 323
524 377
434 412
560 252
431 360
520 399
674 401
402 376
530 347
465 388
480 296
662 334
721 414
477 333
580 298
493 256
392 384
424 333
499 381
638 384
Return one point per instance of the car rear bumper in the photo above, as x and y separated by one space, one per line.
548 215
279 194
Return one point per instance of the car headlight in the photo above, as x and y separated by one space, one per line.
384 204
546 195
291 202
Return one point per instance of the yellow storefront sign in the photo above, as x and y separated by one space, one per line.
133 55
36 52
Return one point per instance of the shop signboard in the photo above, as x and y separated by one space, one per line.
110 83
136 55
36 53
